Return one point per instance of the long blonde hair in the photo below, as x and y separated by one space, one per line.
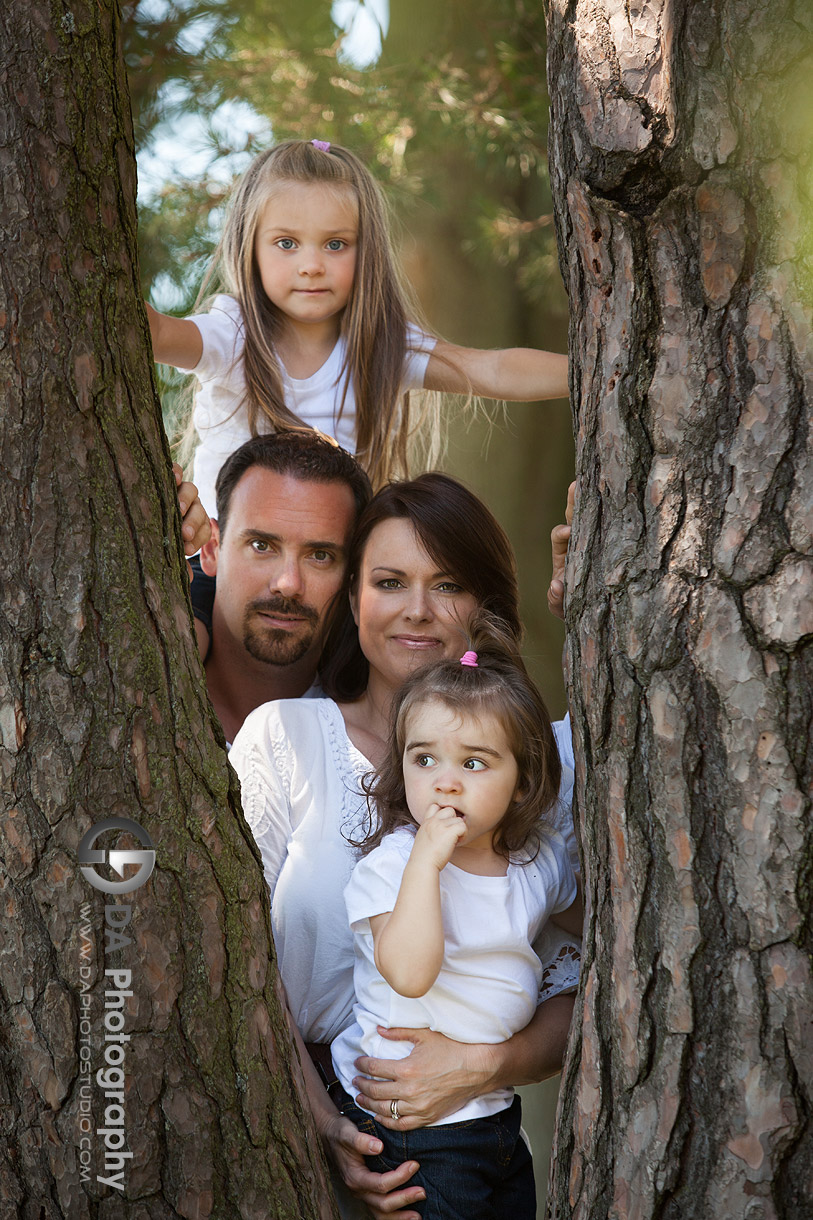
373 324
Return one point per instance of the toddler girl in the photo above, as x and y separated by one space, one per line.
313 326
461 873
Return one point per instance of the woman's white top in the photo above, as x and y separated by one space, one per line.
488 985
301 788
220 416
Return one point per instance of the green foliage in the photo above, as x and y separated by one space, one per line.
463 80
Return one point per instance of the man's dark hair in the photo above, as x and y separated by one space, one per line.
304 455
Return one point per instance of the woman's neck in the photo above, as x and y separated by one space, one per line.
367 720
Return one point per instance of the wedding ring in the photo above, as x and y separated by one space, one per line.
394 1110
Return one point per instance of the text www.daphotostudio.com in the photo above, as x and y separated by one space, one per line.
103 1042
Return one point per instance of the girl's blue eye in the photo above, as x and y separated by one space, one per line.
336 244
286 243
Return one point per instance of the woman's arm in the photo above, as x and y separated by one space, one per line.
440 1075
517 374
175 341
572 918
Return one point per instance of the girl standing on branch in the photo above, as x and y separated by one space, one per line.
314 327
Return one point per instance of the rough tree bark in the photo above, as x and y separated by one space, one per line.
681 159
103 713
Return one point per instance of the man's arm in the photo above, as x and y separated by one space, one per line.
386 1194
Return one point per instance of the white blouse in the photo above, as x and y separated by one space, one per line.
301 792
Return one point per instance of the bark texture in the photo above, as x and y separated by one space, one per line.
103 711
681 162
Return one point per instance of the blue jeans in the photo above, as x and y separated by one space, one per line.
475 1170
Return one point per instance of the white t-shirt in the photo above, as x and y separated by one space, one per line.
300 776
488 985
220 416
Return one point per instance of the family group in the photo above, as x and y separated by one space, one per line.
361 638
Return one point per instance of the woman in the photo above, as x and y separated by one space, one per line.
426 554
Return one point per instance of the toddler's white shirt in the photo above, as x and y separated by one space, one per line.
488 985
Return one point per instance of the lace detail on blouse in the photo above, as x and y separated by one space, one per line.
561 974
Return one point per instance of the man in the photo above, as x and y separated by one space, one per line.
286 507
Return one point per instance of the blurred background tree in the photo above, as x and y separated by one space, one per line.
448 106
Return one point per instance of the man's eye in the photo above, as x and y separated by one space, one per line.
286 243
259 545
322 556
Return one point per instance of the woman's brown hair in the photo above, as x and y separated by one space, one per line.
459 533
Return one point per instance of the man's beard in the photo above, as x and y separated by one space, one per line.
273 645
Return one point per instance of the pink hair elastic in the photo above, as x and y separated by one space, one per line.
470 659
322 145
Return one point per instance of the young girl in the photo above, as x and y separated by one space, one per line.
313 327
461 874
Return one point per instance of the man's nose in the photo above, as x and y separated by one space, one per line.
287 577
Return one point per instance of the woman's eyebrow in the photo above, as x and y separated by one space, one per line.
400 572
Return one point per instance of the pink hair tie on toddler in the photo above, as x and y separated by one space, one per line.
470 659
322 145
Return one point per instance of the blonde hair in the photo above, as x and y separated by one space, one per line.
373 324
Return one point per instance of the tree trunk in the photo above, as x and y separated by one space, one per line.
681 161
103 714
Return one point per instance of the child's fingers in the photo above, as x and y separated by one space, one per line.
440 813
